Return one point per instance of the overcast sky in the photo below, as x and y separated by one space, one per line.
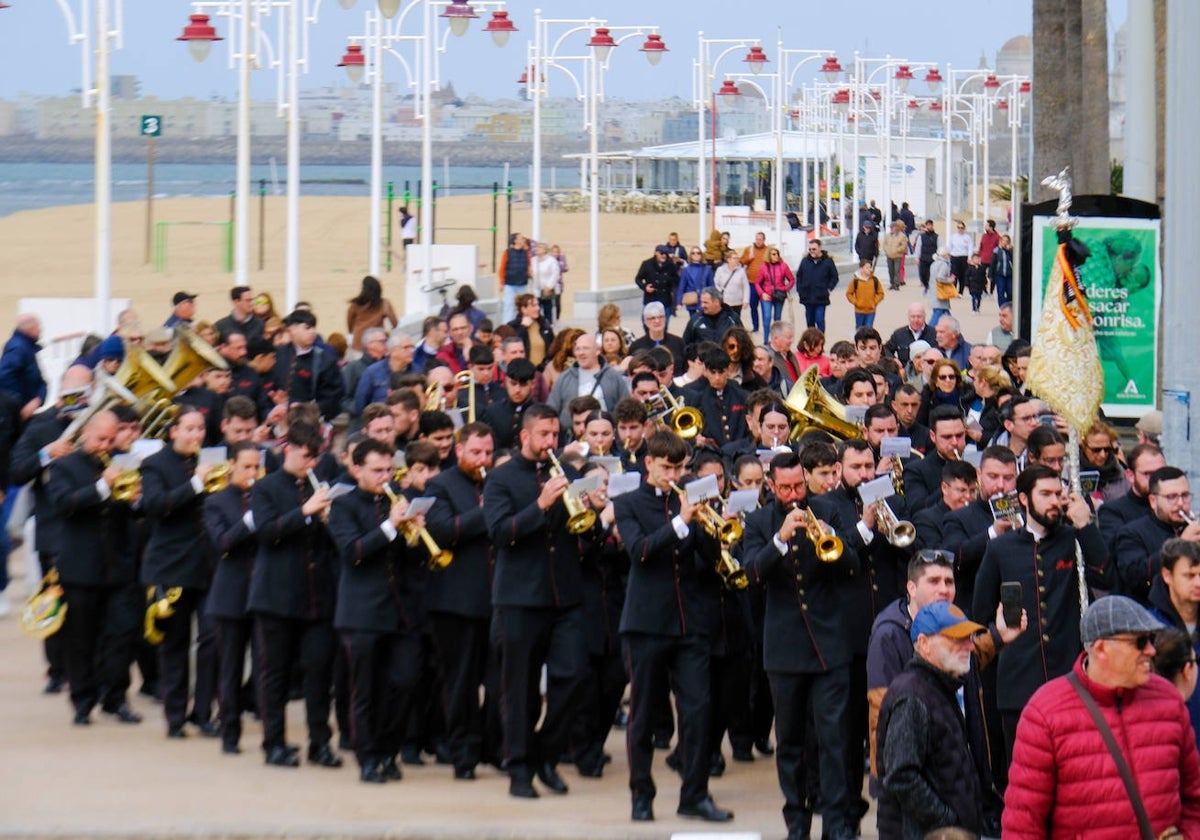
35 56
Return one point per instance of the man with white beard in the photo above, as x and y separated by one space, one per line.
925 767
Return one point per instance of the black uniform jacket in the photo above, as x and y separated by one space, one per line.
965 535
294 575
808 603
456 523
537 560
25 466
179 552
224 518
1137 554
96 537
378 589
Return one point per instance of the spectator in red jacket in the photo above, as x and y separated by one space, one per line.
1064 782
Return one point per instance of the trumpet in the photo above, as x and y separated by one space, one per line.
580 519
482 474
217 478
438 557
159 609
827 544
1188 516
128 485
899 532
466 379
730 570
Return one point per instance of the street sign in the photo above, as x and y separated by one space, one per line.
151 126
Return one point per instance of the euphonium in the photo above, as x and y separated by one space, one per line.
44 612
580 519
159 609
899 532
128 485
827 544
217 478
438 557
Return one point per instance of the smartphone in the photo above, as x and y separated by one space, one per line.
1046 420
1010 600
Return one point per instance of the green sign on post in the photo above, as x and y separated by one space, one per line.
151 126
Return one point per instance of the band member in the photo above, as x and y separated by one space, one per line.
665 627
96 563
806 652
230 526
923 476
304 371
458 598
291 597
722 403
599 432
378 611
631 417
504 414
537 599
39 445
178 553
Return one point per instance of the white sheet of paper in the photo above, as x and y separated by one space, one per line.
875 489
583 485
742 501
612 465
623 483
765 456
339 490
456 417
419 505
145 447
856 413
398 460
901 446
126 461
702 489
212 455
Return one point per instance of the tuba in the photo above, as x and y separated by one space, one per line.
812 407
580 519
827 544
191 357
439 558
137 382
44 612
160 608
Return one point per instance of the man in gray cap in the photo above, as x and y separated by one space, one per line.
1078 728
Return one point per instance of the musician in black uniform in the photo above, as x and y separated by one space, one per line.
923 476
806 651
230 526
960 487
379 613
291 597
504 414
458 598
304 370
666 626
178 552
967 532
722 403
1144 459
95 564
631 415
1139 542
537 600
40 443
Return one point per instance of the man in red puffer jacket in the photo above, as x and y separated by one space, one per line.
1063 781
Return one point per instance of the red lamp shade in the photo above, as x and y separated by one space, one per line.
654 48
199 35
500 27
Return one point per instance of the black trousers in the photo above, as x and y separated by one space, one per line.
208 669
923 266
828 695
173 655
603 690
118 643
461 655
384 671
424 725
729 676
55 646
958 267
96 643
857 716
281 644
656 664
529 638
233 638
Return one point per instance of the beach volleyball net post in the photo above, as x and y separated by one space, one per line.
161 237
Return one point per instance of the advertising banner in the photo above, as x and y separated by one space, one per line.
1123 282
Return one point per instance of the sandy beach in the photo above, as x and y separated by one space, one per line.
49 253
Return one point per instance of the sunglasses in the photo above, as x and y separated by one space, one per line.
941 558
1139 641
946 376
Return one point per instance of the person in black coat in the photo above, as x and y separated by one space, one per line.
666 627
960 486
537 596
722 404
306 372
291 597
458 598
816 277
230 526
504 415
96 561
866 244
379 613
1143 461
658 278
806 652
178 553
923 476
1139 542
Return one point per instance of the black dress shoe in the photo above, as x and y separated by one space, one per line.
705 809
548 775
520 783
323 756
464 774
716 765
590 769
412 756
231 748
124 714
282 757
764 746
83 717
389 769
176 732
371 774
53 686
209 729
643 809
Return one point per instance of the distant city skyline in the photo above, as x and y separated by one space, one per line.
36 59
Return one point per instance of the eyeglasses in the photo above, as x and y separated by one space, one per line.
947 376
1140 641
1172 498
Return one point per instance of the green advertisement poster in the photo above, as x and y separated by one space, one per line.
1123 282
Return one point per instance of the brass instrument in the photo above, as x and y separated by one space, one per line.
138 377
44 612
827 544
435 397
191 357
683 420
466 379
897 475
128 485
727 532
1188 517
217 478
899 532
812 407
159 609
730 570
482 474
438 557
580 519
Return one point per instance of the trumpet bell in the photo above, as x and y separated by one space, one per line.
687 422
44 612
828 548
217 478
581 521
128 486
731 572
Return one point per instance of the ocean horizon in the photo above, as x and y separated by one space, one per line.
32 186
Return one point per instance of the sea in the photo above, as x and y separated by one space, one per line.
28 186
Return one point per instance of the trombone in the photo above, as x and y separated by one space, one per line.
827 544
466 379
580 519
439 558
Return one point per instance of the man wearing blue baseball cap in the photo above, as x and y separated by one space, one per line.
928 777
